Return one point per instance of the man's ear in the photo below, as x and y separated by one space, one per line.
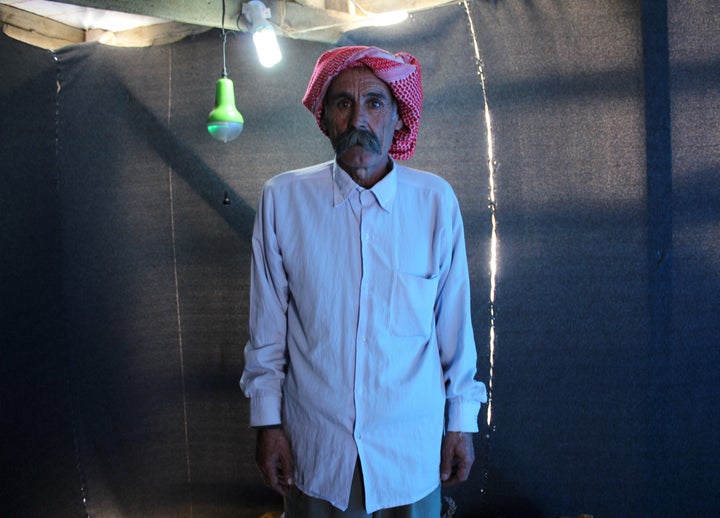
398 120
322 123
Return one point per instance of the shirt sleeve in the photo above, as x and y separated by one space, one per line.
266 350
454 331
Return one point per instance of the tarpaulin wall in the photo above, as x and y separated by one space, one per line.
125 258
37 454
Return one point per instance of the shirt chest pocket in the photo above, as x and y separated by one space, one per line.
412 304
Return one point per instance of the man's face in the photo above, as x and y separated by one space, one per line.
360 119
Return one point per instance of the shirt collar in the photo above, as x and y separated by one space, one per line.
384 190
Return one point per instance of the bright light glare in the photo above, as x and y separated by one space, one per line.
266 45
389 18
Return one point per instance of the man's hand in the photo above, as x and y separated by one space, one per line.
274 459
456 457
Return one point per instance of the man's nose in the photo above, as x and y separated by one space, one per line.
358 117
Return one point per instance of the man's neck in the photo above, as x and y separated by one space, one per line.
365 177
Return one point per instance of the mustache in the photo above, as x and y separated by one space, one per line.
354 136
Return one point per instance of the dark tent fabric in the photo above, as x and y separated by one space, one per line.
125 258
37 454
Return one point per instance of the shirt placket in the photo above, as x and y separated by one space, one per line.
367 206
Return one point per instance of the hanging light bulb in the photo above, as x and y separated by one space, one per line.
263 34
225 122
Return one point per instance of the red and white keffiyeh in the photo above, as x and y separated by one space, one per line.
400 71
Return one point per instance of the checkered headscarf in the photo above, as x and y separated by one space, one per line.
402 74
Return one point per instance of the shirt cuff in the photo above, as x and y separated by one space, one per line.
269 427
265 411
462 416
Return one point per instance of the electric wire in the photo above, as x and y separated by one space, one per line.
178 315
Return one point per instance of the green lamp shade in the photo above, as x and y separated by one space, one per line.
225 122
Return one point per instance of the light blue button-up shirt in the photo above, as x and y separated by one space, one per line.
360 329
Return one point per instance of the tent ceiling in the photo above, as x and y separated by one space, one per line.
53 24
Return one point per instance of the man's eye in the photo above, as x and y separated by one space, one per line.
343 104
376 103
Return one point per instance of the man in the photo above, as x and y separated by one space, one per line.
361 360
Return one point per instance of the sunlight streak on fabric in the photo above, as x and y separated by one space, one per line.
492 169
